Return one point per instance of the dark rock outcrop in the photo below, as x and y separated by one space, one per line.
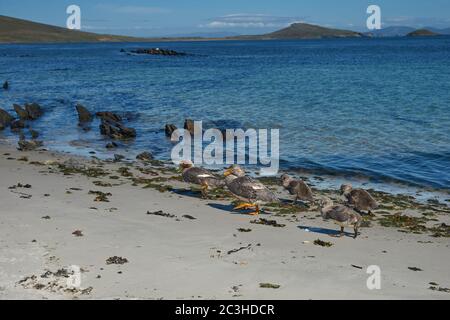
18 125
169 129
5 118
145 156
158 51
107 115
34 110
6 85
25 145
21 112
83 114
116 130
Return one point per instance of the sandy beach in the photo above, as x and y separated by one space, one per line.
137 232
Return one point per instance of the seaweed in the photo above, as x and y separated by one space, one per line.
266 222
269 286
101 196
321 243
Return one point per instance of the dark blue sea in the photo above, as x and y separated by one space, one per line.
377 109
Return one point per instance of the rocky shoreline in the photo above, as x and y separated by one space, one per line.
141 211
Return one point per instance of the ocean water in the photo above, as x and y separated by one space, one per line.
377 109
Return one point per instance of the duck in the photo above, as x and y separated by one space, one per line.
297 188
200 176
341 215
249 191
360 199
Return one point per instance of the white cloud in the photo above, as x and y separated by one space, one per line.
243 20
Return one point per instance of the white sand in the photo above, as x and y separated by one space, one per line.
173 259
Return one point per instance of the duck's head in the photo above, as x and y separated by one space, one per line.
234 170
324 202
346 188
185 164
285 180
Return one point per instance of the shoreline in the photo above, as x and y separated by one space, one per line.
178 246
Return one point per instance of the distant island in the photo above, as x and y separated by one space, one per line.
422 33
13 30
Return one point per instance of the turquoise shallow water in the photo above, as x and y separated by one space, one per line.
372 108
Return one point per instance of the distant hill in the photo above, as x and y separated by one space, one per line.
14 30
304 31
422 33
396 31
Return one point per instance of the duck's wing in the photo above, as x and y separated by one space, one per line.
251 189
338 213
198 175
363 198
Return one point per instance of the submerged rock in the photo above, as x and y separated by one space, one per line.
5 118
145 156
111 145
83 114
34 134
169 129
6 85
21 112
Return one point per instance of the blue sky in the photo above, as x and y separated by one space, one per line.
184 17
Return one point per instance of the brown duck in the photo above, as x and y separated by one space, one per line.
359 199
251 192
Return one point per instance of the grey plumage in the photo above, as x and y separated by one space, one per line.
341 215
360 199
297 188
199 176
250 190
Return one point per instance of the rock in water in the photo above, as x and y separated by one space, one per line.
83 114
111 145
21 112
34 110
34 134
169 129
107 115
116 130
145 156
158 51
118 157
189 125
29 145
2 126
5 118
6 85
17 125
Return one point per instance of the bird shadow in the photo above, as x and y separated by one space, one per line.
230 209
188 193
325 231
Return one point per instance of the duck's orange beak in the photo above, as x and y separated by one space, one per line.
228 172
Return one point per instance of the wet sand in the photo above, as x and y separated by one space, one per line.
192 248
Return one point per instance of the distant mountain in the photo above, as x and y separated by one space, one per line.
14 30
439 31
305 31
223 34
396 31
422 33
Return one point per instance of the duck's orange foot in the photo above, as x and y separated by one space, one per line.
244 206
